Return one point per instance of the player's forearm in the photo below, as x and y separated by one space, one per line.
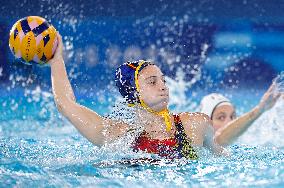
236 128
61 86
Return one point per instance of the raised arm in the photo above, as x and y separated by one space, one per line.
88 123
230 132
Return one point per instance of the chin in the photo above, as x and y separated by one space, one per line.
161 105
216 127
158 104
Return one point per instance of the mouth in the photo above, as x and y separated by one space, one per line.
164 95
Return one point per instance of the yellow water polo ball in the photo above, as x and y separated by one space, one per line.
33 40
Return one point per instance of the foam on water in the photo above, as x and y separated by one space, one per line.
39 151
44 148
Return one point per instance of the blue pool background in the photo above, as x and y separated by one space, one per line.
235 48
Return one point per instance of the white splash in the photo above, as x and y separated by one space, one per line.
279 81
178 89
268 129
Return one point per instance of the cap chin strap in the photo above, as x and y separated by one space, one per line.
164 113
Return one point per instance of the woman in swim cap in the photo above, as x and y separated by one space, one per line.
223 115
143 86
219 109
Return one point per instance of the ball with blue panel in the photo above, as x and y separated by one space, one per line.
33 40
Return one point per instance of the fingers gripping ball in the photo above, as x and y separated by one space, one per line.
33 40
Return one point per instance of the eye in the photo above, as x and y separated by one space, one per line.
221 118
152 82
233 116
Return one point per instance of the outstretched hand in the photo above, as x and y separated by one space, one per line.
269 98
58 55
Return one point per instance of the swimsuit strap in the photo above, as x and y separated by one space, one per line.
183 147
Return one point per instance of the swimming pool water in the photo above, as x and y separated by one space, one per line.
39 148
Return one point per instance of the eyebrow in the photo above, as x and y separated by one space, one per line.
153 77
221 113
150 77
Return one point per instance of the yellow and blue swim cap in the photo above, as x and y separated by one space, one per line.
126 78
127 83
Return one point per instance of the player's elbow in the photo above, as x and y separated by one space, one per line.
63 105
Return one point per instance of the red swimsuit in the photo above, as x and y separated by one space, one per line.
177 147
162 147
170 148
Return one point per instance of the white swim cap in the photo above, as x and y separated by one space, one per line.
212 101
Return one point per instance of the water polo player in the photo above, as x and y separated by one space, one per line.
223 114
143 86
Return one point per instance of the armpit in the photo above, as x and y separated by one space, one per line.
114 130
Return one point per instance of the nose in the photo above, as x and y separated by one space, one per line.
162 85
228 120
